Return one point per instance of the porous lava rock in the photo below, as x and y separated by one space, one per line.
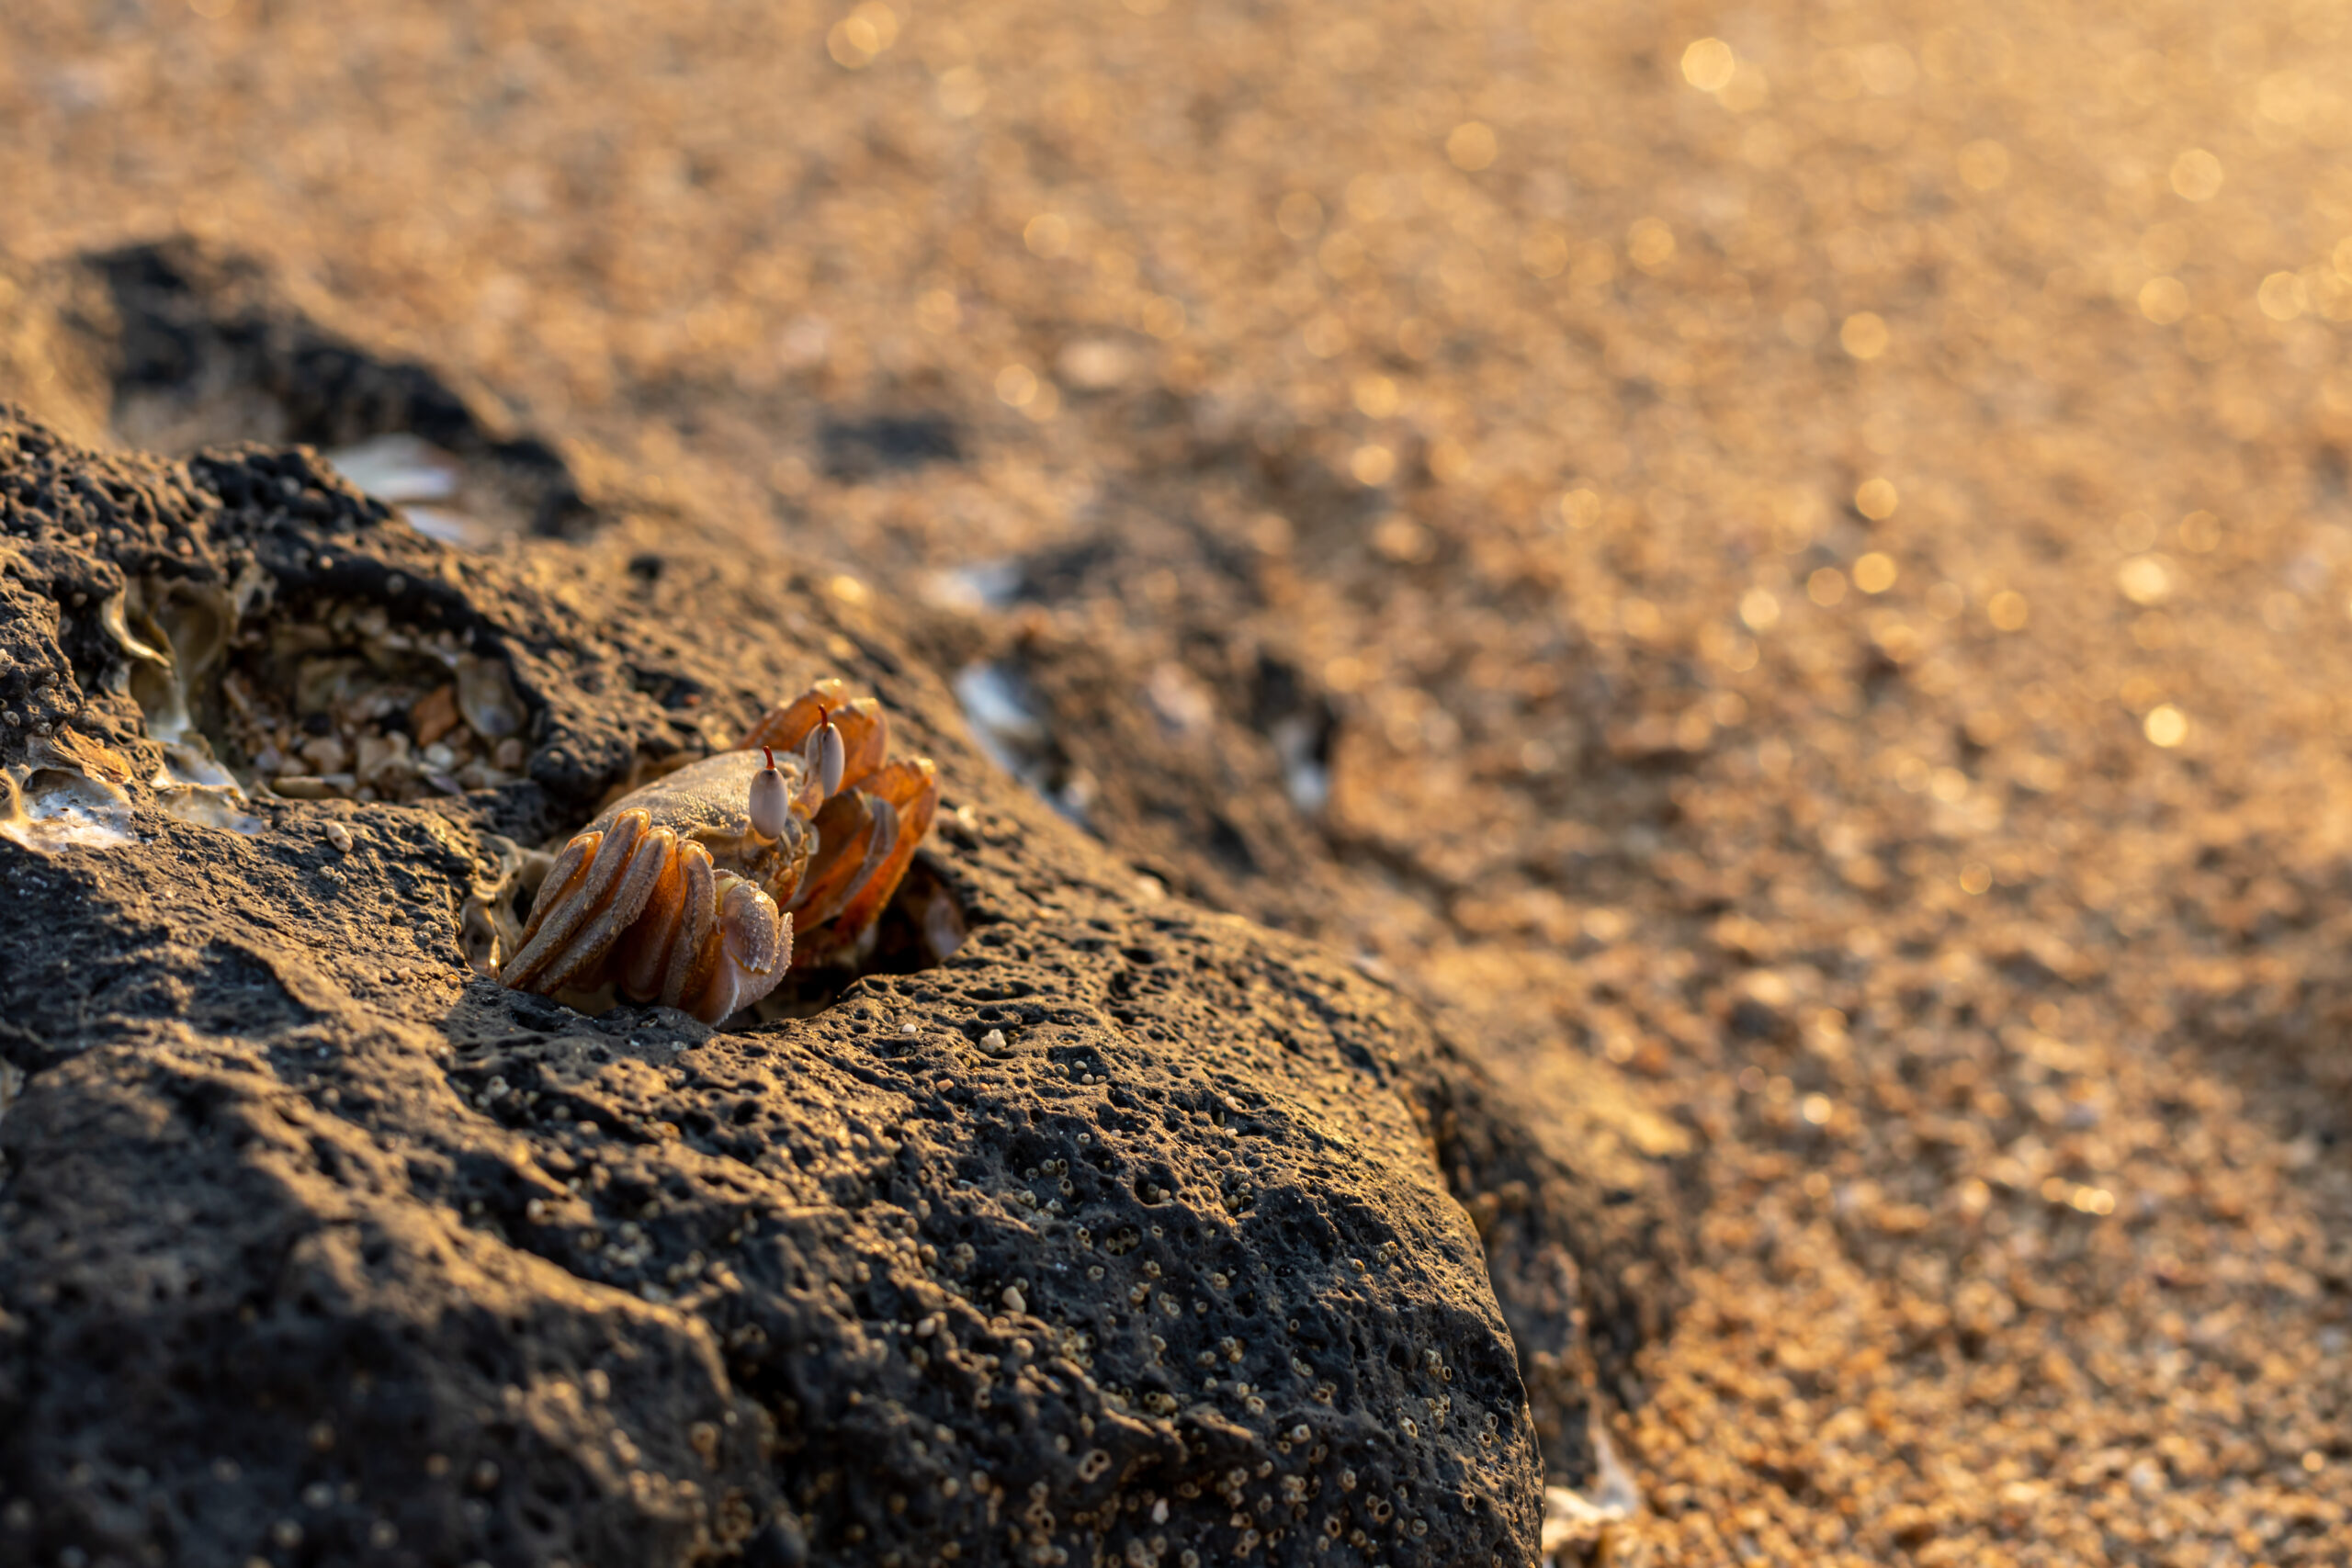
1122 1235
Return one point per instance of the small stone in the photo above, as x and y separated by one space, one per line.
433 716
339 836
326 754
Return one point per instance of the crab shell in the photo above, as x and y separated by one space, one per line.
673 895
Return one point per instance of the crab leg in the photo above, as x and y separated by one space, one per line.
911 789
646 950
693 955
855 831
593 907
562 878
908 791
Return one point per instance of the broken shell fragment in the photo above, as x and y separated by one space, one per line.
488 927
433 716
74 751
191 763
211 807
192 787
52 809
112 615
486 696
183 628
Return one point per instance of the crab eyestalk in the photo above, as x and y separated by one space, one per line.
826 754
771 803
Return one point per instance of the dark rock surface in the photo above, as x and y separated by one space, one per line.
1128 1234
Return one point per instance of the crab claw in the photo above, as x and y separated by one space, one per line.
753 947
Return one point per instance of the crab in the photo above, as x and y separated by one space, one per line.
687 892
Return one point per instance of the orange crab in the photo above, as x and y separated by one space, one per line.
686 891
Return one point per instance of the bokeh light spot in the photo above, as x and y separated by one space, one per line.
1863 335
1046 235
1544 253
2282 297
1983 165
1376 396
1016 385
2195 176
1300 216
1650 244
2163 301
1708 64
1471 147
2144 579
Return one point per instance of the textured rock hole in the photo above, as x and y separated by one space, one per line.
337 700
315 698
